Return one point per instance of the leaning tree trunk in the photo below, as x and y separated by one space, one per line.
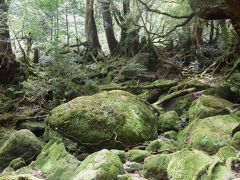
91 29
8 64
108 26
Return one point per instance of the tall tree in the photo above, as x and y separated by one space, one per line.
108 26
8 64
91 29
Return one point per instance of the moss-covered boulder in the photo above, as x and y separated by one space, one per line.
171 135
22 144
55 162
226 152
6 103
161 146
190 164
155 167
102 165
209 134
207 106
137 155
169 121
111 119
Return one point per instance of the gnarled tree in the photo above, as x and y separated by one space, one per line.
8 64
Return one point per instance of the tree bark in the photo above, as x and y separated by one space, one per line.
8 64
91 29
108 26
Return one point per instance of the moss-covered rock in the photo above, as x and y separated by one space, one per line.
133 167
226 152
22 144
56 162
180 104
170 135
188 165
161 146
6 103
102 165
209 134
169 121
236 140
111 119
17 163
137 155
207 106
155 167
120 153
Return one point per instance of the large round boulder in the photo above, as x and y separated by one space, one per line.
112 119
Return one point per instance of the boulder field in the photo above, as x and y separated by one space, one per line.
116 135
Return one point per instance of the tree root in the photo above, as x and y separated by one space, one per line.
174 95
159 84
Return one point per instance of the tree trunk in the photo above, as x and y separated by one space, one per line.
108 26
91 29
8 64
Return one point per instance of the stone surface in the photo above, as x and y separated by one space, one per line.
22 144
112 119
209 134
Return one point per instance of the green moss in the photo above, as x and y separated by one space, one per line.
169 121
137 155
170 135
209 134
17 163
54 160
180 104
102 165
156 166
236 140
22 144
108 119
226 152
121 154
134 167
161 146
188 165
207 106
6 103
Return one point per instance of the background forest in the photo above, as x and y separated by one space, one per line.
119 89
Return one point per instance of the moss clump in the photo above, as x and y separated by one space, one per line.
226 152
209 134
169 121
102 165
207 106
156 166
121 154
170 135
55 161
112 119
188 165
236 140
134 167
6 103
161 146
17 163
22 144
137 155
